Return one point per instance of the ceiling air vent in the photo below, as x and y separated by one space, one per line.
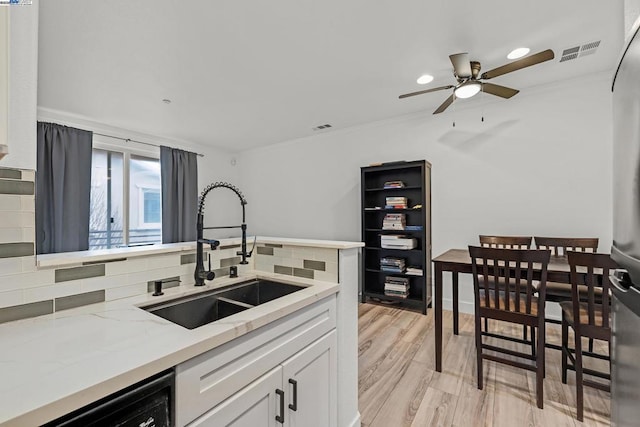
579 51
322 127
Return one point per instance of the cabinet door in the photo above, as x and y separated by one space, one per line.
310 381
256 405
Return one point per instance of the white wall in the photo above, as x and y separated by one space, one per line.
540 164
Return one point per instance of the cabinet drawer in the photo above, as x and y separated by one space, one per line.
208 379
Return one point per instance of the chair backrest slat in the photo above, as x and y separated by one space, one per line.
506 242
591 270
559 246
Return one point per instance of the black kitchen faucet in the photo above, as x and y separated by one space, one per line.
201 274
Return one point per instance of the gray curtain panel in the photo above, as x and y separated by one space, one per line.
63 188
179 171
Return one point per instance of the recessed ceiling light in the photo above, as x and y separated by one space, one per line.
518 53
166 101
424 79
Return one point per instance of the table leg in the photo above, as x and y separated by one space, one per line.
454 276
438 315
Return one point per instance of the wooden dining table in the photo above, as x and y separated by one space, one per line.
458 261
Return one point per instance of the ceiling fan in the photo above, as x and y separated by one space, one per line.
470 81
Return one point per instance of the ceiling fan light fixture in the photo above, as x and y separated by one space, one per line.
467 89
518 53
424 79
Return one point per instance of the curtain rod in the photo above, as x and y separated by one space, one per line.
133 140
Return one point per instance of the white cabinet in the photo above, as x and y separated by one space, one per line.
301 392
310 385
253 406
228 385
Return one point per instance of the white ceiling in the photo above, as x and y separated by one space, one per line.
242 74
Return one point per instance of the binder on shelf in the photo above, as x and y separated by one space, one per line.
397 241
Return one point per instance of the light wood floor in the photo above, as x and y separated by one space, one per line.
398 385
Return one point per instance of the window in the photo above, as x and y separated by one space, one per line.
126 207
152 206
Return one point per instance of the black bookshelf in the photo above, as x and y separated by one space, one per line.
416 176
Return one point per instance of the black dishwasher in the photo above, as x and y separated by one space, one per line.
145 404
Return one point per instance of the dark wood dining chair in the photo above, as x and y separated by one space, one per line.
503 290
504 242
559 292
588 317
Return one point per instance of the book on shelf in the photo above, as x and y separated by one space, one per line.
413 227
393 184
396 286
392 265
413 271
396 202
394 222
373 208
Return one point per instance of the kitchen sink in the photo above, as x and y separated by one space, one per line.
259 291
198 310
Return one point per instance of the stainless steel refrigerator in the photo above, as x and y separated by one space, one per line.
625 352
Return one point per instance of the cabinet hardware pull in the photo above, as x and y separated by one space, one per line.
294 406
280 418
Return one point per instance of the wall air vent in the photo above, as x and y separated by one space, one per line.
589 48
571 53
579 51
322 127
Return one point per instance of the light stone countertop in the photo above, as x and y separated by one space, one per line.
51 365
73 258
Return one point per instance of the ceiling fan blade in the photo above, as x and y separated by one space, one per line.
445 104
501 91
406 95
528 61
461 64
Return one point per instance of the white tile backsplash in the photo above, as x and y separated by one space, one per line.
9 202
27 204
161 261
53 290
125 291
7 299
128 266
27 280
10 266
11 235
15 219
22 282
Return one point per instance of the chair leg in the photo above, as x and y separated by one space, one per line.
524 332
590 345
486 324
578 366
479 351
540 367
565 348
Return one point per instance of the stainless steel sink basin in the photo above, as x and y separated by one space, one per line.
259 291
197 310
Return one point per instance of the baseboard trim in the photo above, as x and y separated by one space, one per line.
356 421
